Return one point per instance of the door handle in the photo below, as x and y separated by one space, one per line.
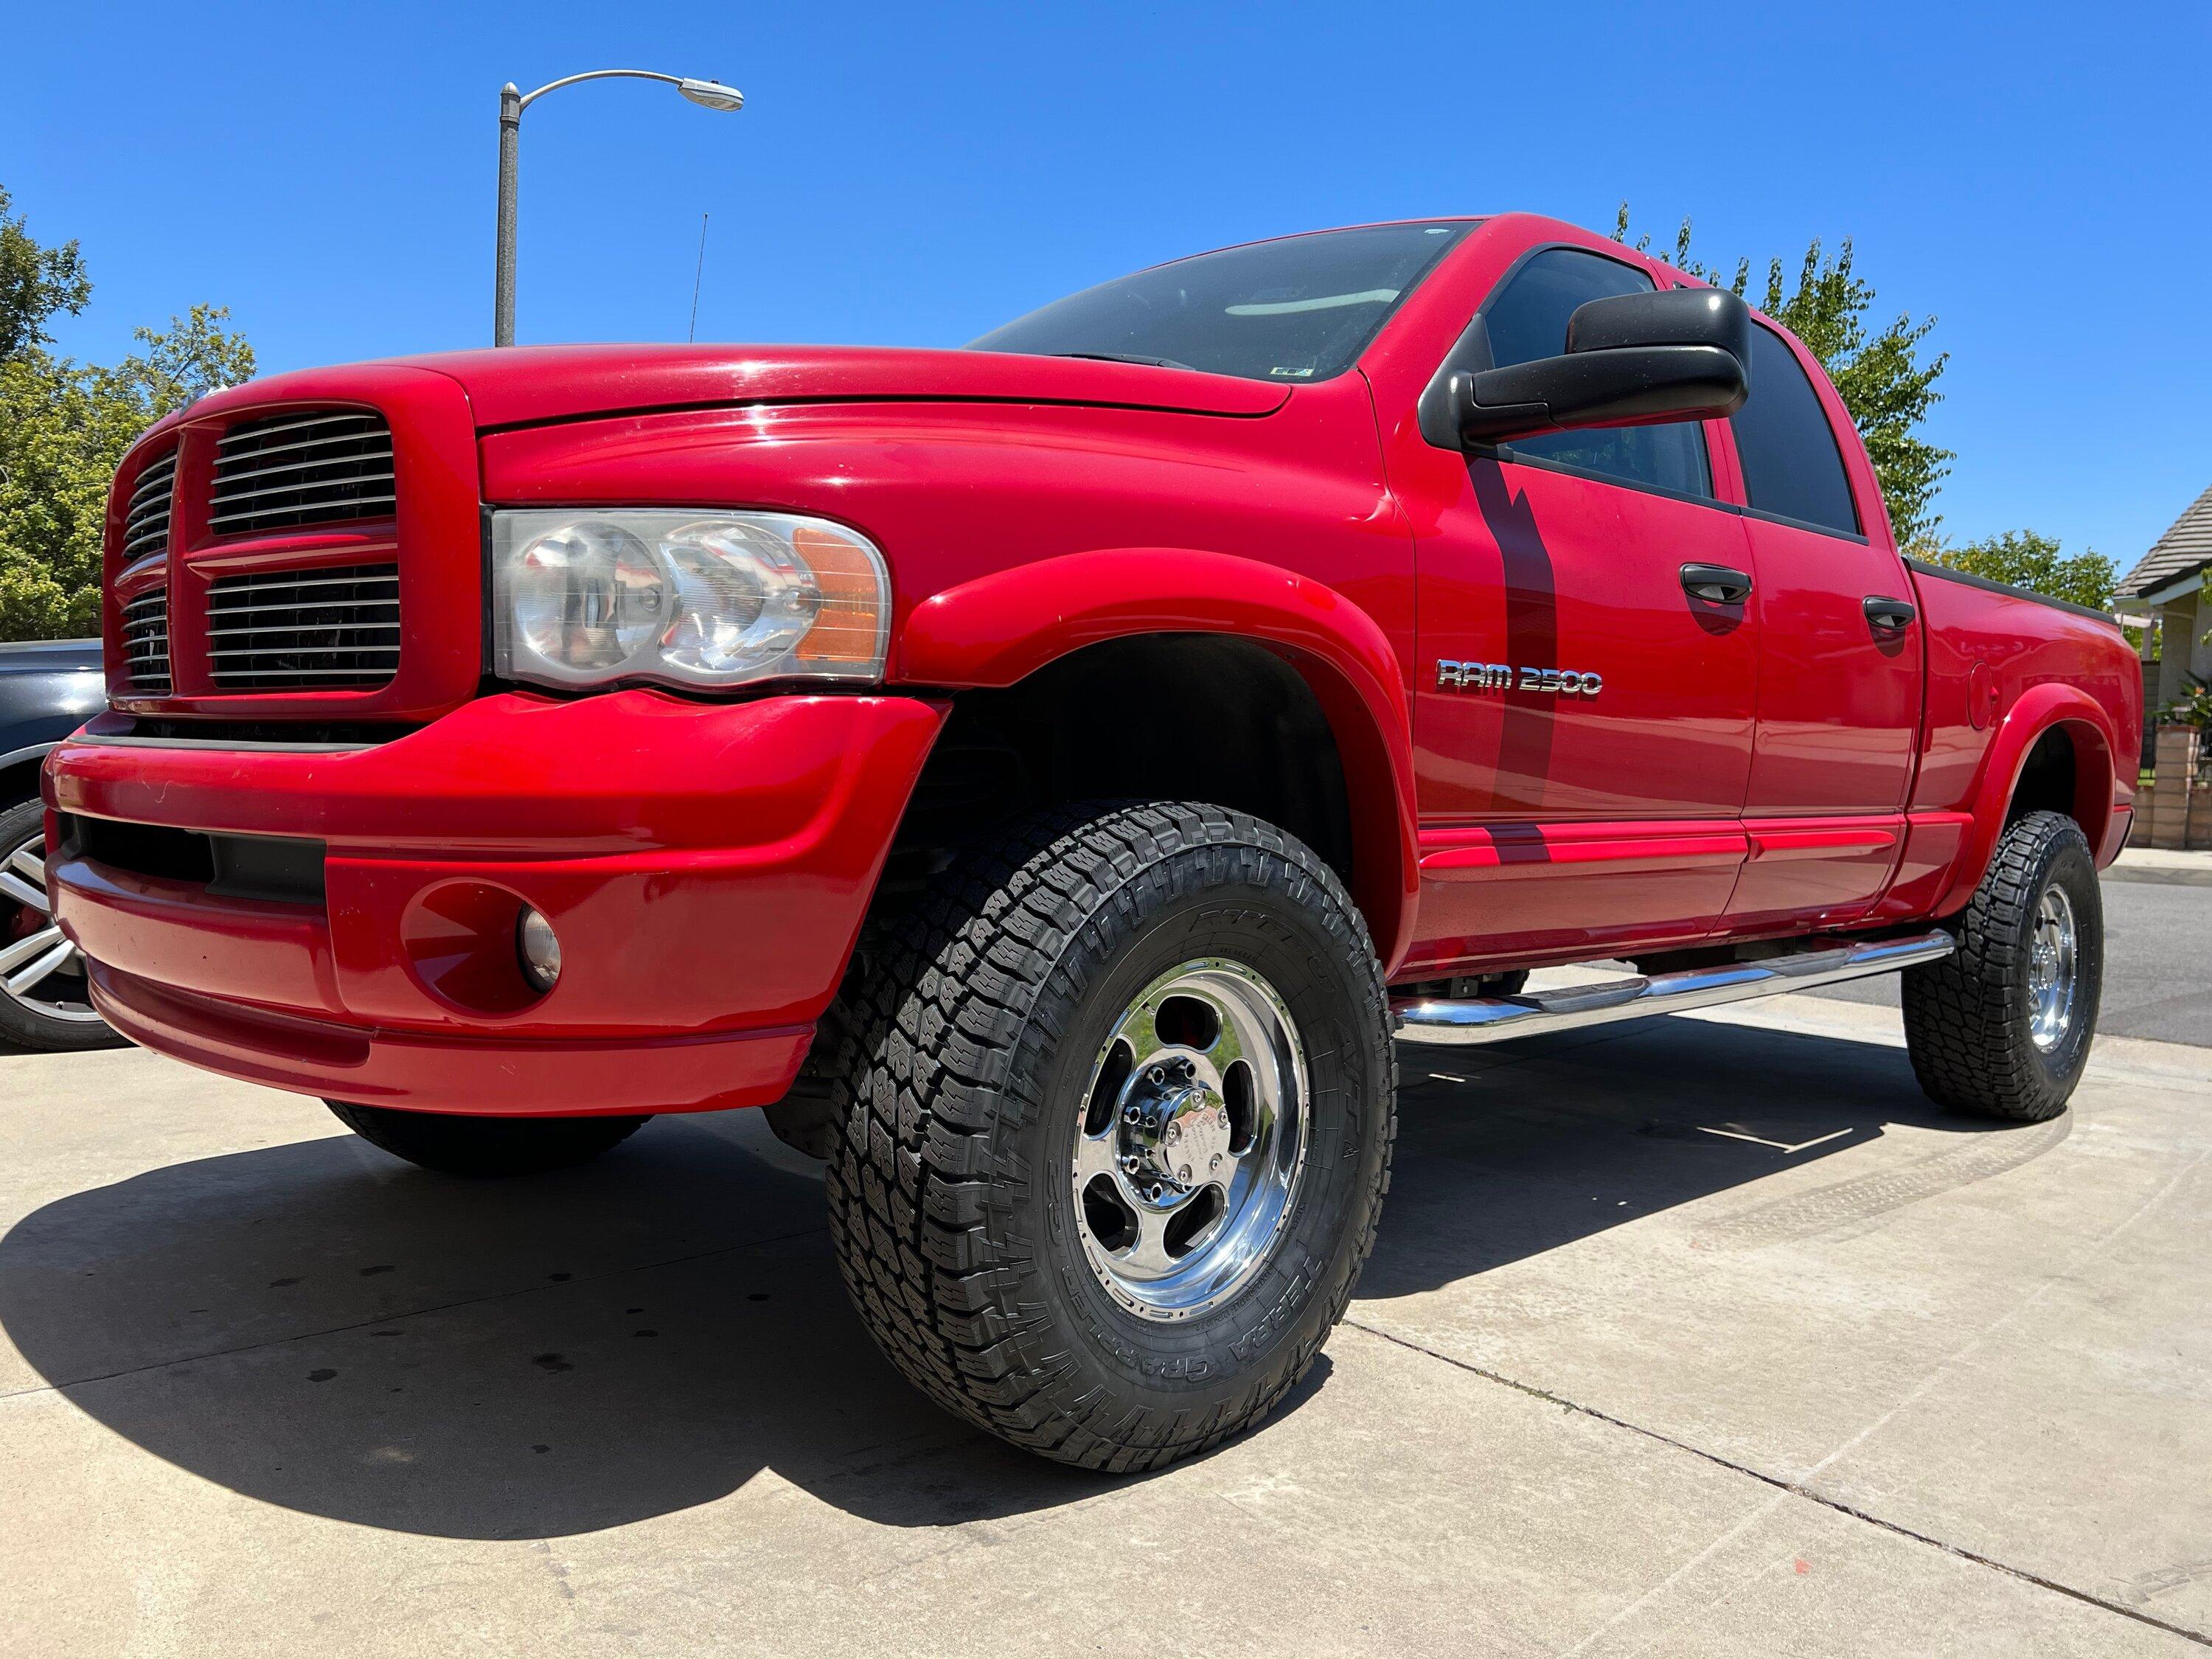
1715 584
1887 616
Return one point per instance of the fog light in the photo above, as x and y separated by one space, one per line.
539 947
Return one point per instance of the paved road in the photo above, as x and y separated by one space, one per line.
2158 964
1702 1336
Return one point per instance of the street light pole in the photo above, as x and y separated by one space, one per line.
510 144
708 94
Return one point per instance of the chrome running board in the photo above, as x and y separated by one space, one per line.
1490 1019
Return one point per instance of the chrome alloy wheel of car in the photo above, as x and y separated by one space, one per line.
39 970
2053 974
1193 1135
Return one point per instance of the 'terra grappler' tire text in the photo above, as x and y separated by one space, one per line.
1114 1111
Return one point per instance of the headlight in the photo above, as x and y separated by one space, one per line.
685 597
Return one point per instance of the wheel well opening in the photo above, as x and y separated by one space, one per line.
1195 717
2047 780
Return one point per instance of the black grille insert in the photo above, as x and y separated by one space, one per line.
274 869
285 471
332 629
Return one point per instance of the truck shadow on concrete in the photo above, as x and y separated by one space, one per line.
317 1326
1508 1151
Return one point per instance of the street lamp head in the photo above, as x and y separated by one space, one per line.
711 94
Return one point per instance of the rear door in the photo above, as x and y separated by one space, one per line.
1839 655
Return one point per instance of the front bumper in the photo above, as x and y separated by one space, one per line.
706 867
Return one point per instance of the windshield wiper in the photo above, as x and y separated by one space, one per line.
1127 357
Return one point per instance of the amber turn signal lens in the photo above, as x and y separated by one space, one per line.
851 621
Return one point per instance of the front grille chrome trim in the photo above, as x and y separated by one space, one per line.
293 489
248 582
146 515
329 628
146 643
286 472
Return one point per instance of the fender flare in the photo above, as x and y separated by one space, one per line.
998 629
2035 713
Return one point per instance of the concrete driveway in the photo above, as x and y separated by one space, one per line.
1706 1335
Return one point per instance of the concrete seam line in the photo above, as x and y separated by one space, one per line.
1789 1487
53 1387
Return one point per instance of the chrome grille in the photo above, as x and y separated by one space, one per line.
285 471
146 643
146 519
301 631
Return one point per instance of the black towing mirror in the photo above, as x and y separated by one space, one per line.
1634 359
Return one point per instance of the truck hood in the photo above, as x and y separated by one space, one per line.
525 385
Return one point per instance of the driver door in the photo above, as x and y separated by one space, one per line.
1581 789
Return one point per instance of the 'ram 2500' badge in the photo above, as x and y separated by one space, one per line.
1502 676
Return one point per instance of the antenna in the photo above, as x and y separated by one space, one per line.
692 334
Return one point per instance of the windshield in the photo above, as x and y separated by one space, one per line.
1298 308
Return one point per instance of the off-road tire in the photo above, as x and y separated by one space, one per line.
26 1026
960 1091
1966 1017
455 1143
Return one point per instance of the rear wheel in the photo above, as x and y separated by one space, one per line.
45 1001
2001 1027
455 1143
1113 1119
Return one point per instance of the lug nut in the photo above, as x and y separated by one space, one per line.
1183 1175
1174 1134
1214 1163
1130 1114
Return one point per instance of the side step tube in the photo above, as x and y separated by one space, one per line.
1489 1019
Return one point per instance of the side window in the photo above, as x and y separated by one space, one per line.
1792 465
1527 318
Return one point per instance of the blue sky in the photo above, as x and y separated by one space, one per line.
2034 175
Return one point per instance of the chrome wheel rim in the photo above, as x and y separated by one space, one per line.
1193 1136
2053 958
40 971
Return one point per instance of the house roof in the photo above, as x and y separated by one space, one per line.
2185 549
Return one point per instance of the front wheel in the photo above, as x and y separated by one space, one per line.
455 1143
2000 1028
1113 1120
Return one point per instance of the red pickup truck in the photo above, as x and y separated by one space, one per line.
1048 776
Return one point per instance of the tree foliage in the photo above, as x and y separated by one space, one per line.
2028 560
35 282
64 426
1879 376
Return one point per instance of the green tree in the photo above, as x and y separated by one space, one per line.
64 426
35 282
2028 560
1879 376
